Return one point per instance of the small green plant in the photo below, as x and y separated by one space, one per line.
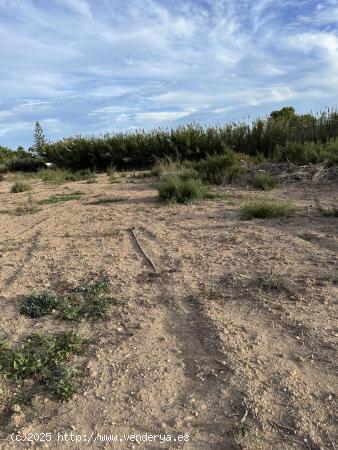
326 212
111 173
266 209
264 182
269 283
62 383
69 308
38 305
90 302
176 190
333 278
38 355
20 186
58 198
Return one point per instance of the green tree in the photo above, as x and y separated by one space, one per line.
288 112
39 140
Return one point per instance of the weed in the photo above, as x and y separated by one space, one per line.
62 383
90 302
37 305
38 355
269 283
20 186
176 190
216 196
28 208
242 428
69 308
333 278
58 198
264 182
218 169
266 209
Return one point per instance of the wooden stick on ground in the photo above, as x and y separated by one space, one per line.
150 262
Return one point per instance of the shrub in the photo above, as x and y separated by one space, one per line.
266 209
187 174
264 182
308 152
20 186
59 176
215 168
24 164
176 190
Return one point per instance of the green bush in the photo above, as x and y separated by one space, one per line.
20 186
215 168
187 174
308 152
266 209
176 190
264 182
59 176
24 164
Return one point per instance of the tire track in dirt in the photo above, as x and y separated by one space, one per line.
196 340
301 426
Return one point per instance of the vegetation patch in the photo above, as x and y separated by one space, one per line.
333 278
39 304
266 209
60 176
90 302
264 182
24 164
20 186
176 190
29 208
39 359
58 198
219 169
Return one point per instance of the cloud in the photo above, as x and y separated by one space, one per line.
85 67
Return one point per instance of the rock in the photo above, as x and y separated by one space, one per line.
16 419
16 408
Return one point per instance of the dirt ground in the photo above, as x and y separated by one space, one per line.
204 346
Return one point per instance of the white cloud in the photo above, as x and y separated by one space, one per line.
87 66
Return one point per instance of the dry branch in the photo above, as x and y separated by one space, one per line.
149 260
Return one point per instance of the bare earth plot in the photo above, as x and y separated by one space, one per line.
230 341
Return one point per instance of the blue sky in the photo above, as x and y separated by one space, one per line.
91 66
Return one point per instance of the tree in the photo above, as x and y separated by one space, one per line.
288 112
39 140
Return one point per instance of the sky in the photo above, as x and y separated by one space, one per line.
94 66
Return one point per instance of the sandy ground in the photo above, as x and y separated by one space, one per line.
200 348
